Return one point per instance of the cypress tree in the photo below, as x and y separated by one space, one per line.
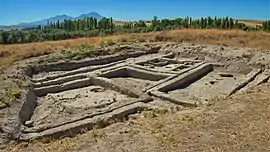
111 24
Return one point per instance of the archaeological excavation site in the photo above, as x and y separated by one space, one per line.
65 98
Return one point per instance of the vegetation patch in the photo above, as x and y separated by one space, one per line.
154 113
4 101
76 55
84 47
15 93
106 43
187 119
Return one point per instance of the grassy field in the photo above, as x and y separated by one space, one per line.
260 40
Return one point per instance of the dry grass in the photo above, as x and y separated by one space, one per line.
11 53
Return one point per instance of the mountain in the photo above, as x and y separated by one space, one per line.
92 14
61 18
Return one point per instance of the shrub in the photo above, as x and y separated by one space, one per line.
16 93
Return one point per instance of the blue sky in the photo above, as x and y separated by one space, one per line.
16 11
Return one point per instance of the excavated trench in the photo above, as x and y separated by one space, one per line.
69 97
136 79
203 84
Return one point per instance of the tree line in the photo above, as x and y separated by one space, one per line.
85 24
89 27
68 29
188 22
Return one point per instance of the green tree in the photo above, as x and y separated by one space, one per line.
155 21
140 23
231 23
111 25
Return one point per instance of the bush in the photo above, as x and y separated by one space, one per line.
158 38
4 101
107 43
16 93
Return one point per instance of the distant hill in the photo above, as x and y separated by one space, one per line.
61 18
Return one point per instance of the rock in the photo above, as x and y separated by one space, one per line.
1 130
99 89
225 75
188 63
29 123
125 131
78 96
3 143
152 67
149 65
134 116
182 66
213 82
219 79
